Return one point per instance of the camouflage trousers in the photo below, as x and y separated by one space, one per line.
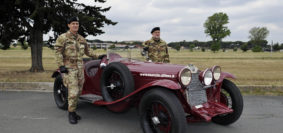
74 81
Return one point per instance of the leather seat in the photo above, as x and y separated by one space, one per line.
91 67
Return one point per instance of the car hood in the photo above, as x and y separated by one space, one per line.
153 68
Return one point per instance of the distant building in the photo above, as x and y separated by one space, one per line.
103 45
100 45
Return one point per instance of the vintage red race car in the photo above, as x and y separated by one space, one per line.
167 95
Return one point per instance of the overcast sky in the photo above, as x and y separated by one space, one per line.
183 19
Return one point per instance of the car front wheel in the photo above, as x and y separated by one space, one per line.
230 96
116 82
161 112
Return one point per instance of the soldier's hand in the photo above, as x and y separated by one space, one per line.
63 69
143 53
145 49
101 56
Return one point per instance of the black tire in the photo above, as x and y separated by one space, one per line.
231 96
165 106
118 75
60 93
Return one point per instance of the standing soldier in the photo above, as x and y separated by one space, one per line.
69 50
156 47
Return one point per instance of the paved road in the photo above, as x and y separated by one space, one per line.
36 112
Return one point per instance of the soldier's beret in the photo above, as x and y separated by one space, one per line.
155 29
72 19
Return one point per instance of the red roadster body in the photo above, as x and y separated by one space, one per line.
166 95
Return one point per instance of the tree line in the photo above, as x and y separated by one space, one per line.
224 45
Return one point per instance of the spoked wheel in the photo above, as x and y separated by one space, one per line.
158 118
115 86
225 98
230 96
60 93
116 82
161 112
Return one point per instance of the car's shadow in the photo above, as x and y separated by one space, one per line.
130 120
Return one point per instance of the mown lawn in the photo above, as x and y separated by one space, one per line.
249 68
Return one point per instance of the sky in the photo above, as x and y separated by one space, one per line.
183 19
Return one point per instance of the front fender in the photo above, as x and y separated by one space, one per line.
163 83
226 75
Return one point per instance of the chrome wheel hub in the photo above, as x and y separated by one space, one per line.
111 86
155 120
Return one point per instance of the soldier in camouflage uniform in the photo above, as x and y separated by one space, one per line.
156 47
69 50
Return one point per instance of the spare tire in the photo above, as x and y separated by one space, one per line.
116 82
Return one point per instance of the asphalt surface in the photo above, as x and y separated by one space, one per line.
36 112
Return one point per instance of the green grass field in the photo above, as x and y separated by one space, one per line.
249 68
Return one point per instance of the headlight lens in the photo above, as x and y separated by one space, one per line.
185 76
207 78
216 72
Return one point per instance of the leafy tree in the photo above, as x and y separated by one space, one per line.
257 38
258 33
10 27
244 47
175 45
257 48
112 46
24 45
253 43
192 46
203 49
276 47
178 47
30 19
94 47
235 49
215 47
216 29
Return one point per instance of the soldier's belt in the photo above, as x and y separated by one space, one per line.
71 60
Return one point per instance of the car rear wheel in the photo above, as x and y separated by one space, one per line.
116 82
161 112
60 93
231 96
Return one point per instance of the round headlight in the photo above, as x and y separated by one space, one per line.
207 77
216 72
185 76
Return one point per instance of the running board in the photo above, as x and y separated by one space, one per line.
91 98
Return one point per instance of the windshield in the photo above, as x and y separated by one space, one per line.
131 53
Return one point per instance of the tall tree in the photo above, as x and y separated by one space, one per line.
258 35
216 29
33 18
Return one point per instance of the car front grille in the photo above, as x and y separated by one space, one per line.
196 94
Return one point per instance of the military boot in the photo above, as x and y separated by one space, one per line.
78 117
73 118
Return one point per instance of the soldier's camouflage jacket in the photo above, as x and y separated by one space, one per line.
69 50
157 50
